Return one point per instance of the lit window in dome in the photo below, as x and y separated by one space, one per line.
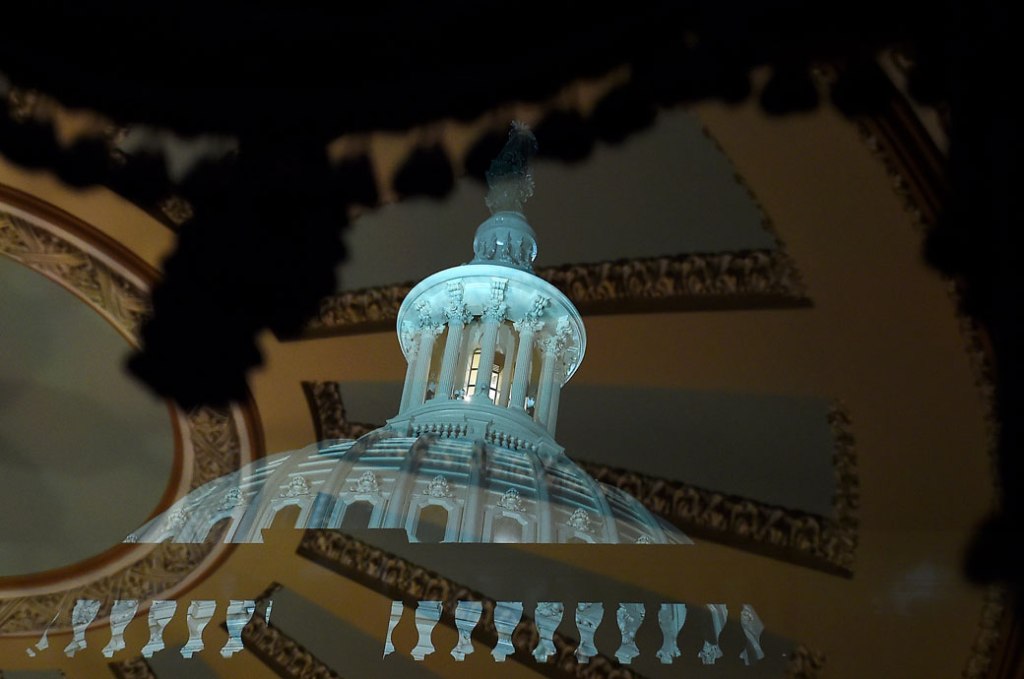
474 370
507 529
433 524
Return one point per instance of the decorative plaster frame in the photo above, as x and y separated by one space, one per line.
399 579
133 668
686 282
916 168
741 279
115 283
284 656
396 578
805 663
328 411
803 538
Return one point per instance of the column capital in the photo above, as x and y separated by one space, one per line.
528 325
531 322
550 345
562 347
540 302
496 308
424 313
409 333
562 339
455 311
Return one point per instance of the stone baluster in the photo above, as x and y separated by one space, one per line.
457 317
547 615
81 617
200 612
629 618
752 628
494 314
239 614
671 618
121 613
467 615
711 651
507 615
588 619
427 615
397 609
160 613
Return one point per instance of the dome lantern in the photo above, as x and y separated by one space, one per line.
506 340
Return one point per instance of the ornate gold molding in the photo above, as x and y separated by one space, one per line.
122 301
283 655
328 409
990 634
133 668
916 168
825 543
115 283
804 538
993 637
743 279
398 579
685 282
805 663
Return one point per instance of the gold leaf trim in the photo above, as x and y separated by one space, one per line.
51 248
729 280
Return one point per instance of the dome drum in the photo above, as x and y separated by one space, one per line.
435 489
458 322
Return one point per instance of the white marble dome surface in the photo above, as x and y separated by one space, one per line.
436 488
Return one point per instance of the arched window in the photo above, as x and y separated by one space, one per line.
219 530
432 525
357 516
286 517
507 529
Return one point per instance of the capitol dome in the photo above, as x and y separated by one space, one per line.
471 455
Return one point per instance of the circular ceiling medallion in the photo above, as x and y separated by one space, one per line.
206 443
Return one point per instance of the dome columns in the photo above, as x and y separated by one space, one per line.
527 329
492 316
488 309
422 338
559 350
457 316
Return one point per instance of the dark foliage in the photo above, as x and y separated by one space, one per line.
262 246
